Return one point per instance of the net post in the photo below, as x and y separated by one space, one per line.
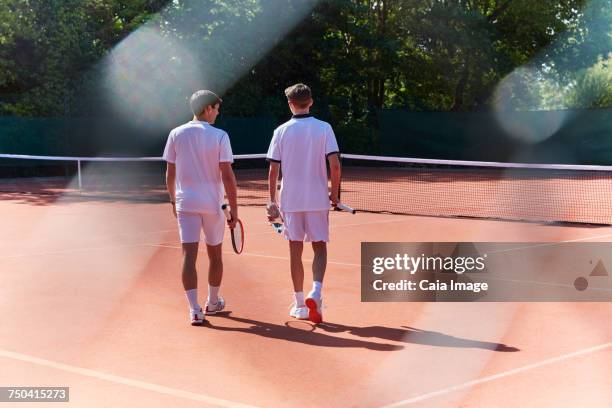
79 176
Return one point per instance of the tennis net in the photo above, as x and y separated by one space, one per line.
511 191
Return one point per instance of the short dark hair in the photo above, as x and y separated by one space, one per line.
201 99
299 94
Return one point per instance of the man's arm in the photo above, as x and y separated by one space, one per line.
335 173
170 184
272 207
229 182
273 180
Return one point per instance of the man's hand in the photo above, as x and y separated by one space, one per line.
229 183
272 211
170 185
334 198
335 173
234 214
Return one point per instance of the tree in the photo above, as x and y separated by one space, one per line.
49 46
592 87
358 55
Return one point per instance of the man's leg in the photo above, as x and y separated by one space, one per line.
190 282
215 303
317 231
214 228
319 263
294 233
190 274
215 268
297 268
190 225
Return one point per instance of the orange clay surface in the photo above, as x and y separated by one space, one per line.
91 298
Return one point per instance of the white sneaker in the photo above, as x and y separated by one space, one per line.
213 308
299 312
315 305
196 317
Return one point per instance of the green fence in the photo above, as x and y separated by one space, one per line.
109 137
569 136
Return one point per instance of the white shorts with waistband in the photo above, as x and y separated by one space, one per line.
309 226
190 225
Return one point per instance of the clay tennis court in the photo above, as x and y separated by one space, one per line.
92 300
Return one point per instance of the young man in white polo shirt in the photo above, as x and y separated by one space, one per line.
300 148
199 165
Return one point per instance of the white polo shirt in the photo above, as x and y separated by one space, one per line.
197 148
302 145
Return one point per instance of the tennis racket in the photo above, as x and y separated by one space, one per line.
344 207
237 232
279 226
275 224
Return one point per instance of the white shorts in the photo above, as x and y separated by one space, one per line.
190 224
309 226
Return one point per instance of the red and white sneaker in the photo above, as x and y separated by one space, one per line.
299 312
315 306
214 308
197 317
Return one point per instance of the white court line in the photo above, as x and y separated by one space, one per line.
73 251
162 231
69 251
549 244
359 265
399 219
402 219
305 260
589 238
283 258
494 377
493 277
131 234
122 380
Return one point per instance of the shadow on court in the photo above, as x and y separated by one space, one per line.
39 199
414 336
50 197
289 333
315 336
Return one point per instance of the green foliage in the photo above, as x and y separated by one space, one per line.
49 46
357 55
355 137
593 86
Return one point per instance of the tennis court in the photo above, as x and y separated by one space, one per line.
465 130
92 300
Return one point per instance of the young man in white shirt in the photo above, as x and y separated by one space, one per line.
300 148
199 165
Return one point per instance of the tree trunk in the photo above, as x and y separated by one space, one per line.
458 104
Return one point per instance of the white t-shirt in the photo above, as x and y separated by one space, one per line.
197 148
302 145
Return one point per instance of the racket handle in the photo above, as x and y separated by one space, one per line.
226 211
277 226
346 208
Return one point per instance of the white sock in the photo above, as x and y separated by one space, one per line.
299 298
316 287
213 294
192 297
